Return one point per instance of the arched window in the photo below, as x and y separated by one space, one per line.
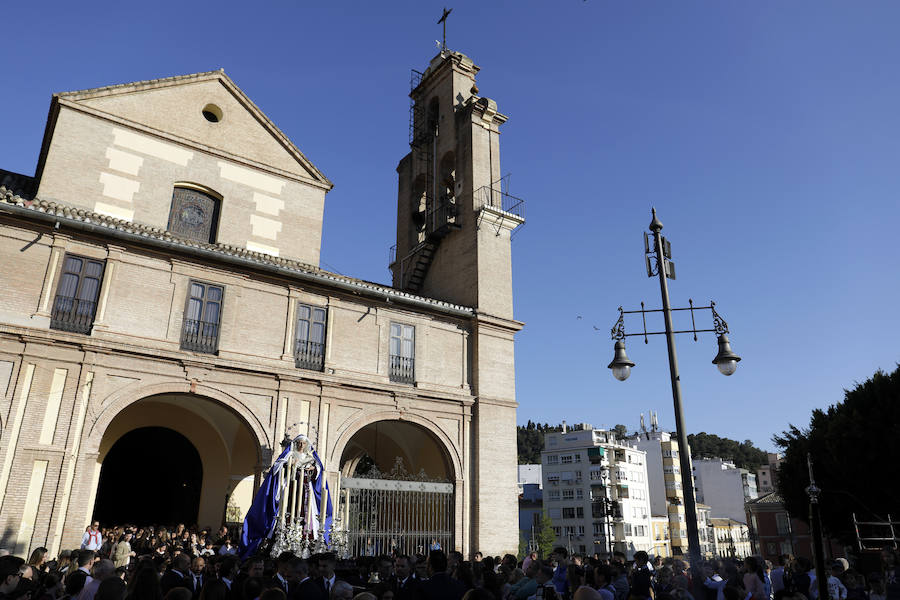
194 214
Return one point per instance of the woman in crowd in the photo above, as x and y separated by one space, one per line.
754 579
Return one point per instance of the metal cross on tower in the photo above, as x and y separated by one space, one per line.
443 20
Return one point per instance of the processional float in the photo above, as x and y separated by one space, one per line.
292 511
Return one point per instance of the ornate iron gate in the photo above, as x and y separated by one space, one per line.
384 515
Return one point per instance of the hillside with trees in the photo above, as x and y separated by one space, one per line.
743 454
530 442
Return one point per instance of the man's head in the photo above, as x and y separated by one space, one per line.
327 563
602 575
228 567
103 569
95 526
256 565
421 568
284 564
454 559
544 575
85 558
341 591
9 573
403 567
559 555
182 563
478 557
197 565
437 562
640 558
532 569
301 569
384 566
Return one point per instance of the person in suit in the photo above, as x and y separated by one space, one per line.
197 576
227 572
307 587
327 563
440 586
178 575
285 578
406 587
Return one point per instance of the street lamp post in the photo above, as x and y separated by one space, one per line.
607 507
815 526
726 361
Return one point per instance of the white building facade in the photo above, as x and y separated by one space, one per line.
724 487
664 483
596 492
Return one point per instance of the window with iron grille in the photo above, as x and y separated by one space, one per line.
403 353
200 328
75 303
309 347
193 215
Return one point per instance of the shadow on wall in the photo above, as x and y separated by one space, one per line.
7 540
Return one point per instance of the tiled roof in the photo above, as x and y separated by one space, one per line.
23 185
770 498
64 212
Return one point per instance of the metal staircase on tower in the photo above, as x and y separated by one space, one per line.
438 216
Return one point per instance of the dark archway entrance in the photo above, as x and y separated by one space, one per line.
151 475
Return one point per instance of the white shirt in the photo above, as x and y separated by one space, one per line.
329 583
91 540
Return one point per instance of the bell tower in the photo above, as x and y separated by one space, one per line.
454 222
454 219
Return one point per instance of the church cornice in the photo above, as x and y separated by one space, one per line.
89 222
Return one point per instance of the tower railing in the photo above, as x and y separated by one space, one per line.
496 198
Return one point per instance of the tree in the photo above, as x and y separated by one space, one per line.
744 455
621 431
545 536
530 441
854 447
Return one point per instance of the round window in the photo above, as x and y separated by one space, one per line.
212 113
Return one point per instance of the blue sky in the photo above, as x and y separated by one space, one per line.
766 134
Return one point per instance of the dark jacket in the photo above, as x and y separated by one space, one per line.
443 587
173 579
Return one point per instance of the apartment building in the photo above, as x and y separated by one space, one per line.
724 487
664 482
596 491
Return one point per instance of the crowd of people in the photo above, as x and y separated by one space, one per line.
123 563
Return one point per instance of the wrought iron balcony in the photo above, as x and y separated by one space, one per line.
309 355
72 314
403 369
200 336
498 199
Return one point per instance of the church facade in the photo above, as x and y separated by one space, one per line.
164 323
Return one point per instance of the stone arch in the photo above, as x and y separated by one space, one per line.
450 449
245 456
118 401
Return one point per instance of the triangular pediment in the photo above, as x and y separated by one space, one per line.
175 106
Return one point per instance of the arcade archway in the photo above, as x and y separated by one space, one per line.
397 490
150 475
170 426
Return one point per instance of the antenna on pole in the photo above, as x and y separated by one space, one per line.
443 20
